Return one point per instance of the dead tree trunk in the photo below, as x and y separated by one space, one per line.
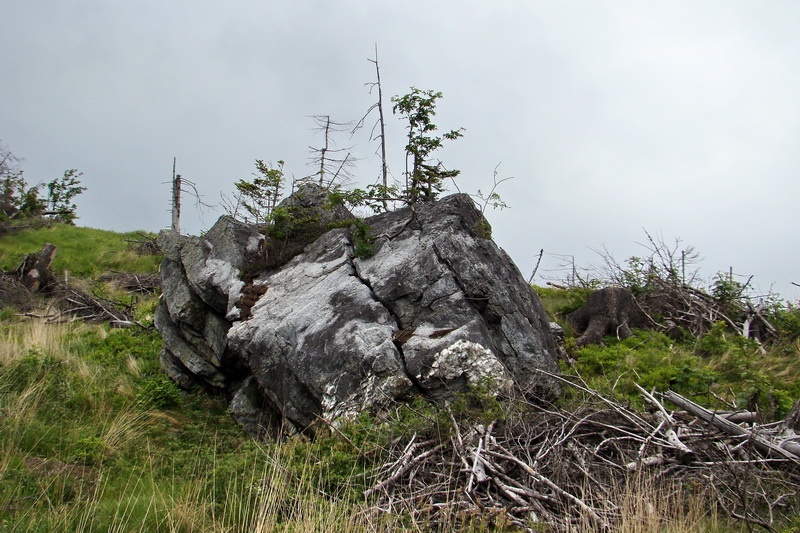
785 450
324 150
36 268
384 168
176 199
608 311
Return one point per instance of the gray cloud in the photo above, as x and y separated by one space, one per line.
678 117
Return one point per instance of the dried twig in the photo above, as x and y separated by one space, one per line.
562 467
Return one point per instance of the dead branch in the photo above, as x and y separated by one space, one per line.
788 450
149 283
564 467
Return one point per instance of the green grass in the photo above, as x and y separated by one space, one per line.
719 366
127 452
75 395
559 303
93 437
83 252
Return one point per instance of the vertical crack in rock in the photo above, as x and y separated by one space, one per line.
435 309
401 328
479 303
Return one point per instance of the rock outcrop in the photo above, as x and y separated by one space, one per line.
435 308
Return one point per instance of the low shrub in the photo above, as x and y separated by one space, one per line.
157 392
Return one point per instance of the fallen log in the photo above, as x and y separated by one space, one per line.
787 450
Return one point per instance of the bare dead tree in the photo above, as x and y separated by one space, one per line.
231 204
176 198
380 123
182 185
328 160
379 103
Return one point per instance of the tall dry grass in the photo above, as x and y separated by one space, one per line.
271 487
645 504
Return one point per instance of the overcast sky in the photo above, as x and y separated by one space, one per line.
679 118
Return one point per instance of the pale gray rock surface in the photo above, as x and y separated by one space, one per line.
436 310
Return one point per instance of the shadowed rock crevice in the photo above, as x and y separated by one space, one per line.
437 309
399 336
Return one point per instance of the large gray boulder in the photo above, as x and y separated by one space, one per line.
437 309
201 284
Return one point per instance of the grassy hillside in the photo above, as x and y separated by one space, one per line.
81 251
94 438
721 369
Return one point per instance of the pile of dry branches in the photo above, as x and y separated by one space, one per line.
144 244
566 467
666 285
136 283
694 309
67 300
72 303
13 293
76 303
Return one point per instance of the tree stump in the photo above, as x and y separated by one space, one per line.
609 311
35 269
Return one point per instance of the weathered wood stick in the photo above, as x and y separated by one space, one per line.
668 425
787 451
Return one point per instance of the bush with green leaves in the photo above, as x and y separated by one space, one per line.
424 177
747 374
157 392
362 242
649 358
786 319
90 450
19 200
722 370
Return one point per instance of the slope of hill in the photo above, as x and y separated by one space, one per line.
93 437
82 252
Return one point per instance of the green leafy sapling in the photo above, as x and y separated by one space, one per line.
261 195
493 198
17 198
424 179
61 193
374 196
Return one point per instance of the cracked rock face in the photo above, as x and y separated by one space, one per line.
436 310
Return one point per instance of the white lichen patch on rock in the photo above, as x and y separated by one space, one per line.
373 392
436 310
477 364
